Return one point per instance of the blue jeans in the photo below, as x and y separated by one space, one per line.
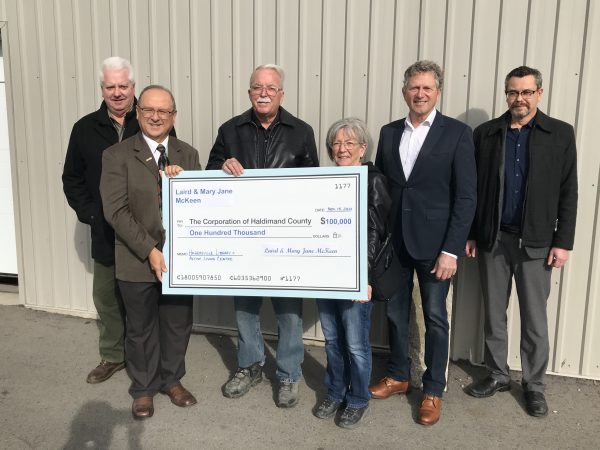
251 345
433 297
346 328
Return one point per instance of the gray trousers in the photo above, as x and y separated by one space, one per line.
532 280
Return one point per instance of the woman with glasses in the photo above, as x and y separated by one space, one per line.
346 324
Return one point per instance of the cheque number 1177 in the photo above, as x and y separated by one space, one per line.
342 185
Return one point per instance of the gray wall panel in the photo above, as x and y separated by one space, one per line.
288 46
356 59
332 74
342 57
587 265
380 71
221 47
243 53
201 86
180 65
457 57
102 36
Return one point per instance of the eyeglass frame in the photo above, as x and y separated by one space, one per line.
346 144
525 93
258 89
161 113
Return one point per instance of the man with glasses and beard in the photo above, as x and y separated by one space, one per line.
524 226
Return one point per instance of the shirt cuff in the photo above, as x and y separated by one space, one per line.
450 254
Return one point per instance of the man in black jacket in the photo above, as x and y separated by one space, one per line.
524 226
114 121
266 136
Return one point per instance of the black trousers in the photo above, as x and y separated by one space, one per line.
158 333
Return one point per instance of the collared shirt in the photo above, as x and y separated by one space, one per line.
412 141
516 168
153 144
119 128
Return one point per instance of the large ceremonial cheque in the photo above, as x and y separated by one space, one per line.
269 232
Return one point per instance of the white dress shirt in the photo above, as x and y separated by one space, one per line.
153 144
412 141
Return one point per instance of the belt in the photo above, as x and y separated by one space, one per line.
512 229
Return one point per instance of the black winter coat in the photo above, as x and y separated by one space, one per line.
291 144
378 211
91 135
550 207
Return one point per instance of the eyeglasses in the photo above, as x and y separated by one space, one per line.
161 113
271 90
348 145
527 93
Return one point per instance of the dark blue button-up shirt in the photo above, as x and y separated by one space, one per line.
516 166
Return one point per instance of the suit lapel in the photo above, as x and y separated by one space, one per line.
175 155
144 154
437 128
396 149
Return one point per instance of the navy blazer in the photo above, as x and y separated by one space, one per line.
432 211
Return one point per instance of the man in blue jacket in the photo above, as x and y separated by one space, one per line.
524 226
428 159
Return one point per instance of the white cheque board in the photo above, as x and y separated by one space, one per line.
269 232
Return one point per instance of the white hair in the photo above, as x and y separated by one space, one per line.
274 67
115 63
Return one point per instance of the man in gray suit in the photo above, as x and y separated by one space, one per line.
158 326
524 226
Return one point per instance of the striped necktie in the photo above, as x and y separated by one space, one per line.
163 162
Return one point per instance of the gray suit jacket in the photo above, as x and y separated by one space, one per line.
129 191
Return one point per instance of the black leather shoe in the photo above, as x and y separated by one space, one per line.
486 387
536 404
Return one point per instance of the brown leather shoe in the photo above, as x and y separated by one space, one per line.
104 371
430 411
142 408
180 396
388 387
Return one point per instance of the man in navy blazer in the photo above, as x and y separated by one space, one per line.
428 159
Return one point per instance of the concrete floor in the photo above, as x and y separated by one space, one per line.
45 402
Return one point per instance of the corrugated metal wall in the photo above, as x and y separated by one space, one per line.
342 57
